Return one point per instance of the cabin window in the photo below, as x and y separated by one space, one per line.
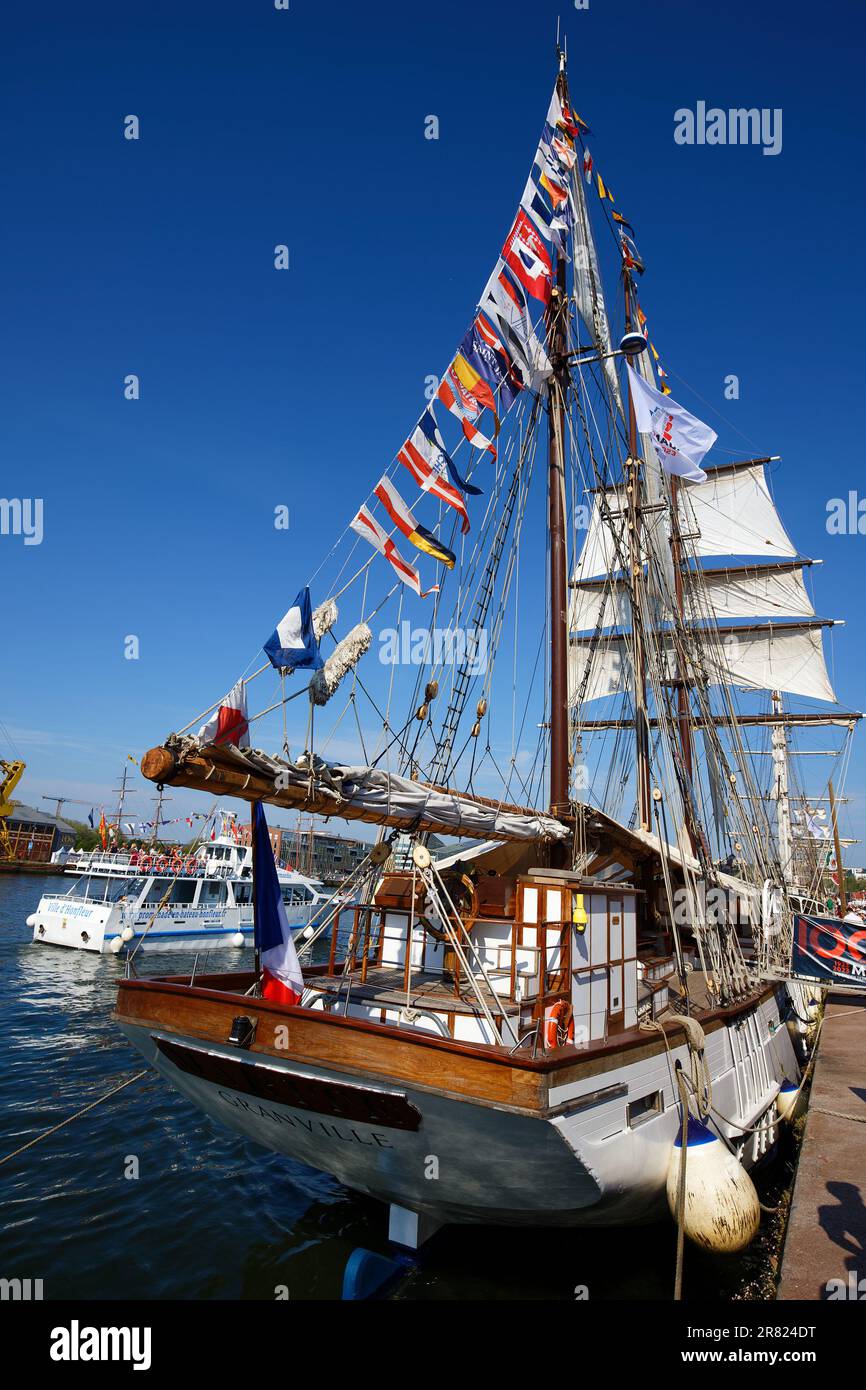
157 891
243 893
212 891
183 891
643 1109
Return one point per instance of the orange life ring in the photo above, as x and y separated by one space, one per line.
191 864
160 864
145 863
176 864
557 1018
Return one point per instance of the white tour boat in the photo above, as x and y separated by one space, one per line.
201 901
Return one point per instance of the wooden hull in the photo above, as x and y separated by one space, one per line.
458 1133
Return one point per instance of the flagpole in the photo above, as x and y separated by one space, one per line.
641 725
840 868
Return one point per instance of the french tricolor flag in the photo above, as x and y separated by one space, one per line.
282 980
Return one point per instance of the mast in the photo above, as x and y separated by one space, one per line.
641 726
782 791
556 391
840 868
683 711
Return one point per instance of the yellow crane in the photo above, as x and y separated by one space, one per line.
10 775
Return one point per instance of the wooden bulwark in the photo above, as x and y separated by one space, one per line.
382 1052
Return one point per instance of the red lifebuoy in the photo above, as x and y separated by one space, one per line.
558 1017
145 863
176 864
191 864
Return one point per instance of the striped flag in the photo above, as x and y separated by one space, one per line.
403 519
452 394
366 526
415 455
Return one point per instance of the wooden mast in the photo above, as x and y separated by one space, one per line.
557 318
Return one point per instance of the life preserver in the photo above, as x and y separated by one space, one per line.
145 863
558 1021
176 864
191 864
160 864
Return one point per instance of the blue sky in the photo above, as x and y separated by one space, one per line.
260 387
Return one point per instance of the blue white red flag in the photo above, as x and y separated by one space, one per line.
293 641
484 352
282 979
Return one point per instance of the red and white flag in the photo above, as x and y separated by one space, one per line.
369 528
417 455
229 723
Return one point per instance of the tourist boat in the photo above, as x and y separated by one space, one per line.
534 991
140 900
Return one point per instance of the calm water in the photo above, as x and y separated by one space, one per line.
211 1215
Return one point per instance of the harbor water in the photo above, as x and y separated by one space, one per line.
145 1198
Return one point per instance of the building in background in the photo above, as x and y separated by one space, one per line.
330 858
35 836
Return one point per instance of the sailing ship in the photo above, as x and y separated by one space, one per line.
559 954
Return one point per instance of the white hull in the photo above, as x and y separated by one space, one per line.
580 1164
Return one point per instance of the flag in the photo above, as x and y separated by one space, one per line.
587 166
618 217
505 301
679 439
415 456
228 723
553 226
103 831
438 454
293 642
485 355
90 817
452 394
524 251
602 191
366 526
282 978
403 519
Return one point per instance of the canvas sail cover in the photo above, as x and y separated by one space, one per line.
789 658
765 591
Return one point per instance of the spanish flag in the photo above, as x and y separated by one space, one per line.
103 830
421 538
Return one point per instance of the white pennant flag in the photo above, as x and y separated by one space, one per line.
679 439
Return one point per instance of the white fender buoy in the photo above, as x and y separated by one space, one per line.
307 933
115 944
788 1101
31 920
238 939
127 934
722 1211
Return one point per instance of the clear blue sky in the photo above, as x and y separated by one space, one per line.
258 388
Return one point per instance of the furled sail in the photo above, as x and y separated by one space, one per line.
789 657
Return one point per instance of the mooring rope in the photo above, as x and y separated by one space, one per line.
46 1134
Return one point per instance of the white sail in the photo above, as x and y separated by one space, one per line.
789 658
760 591
732 513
